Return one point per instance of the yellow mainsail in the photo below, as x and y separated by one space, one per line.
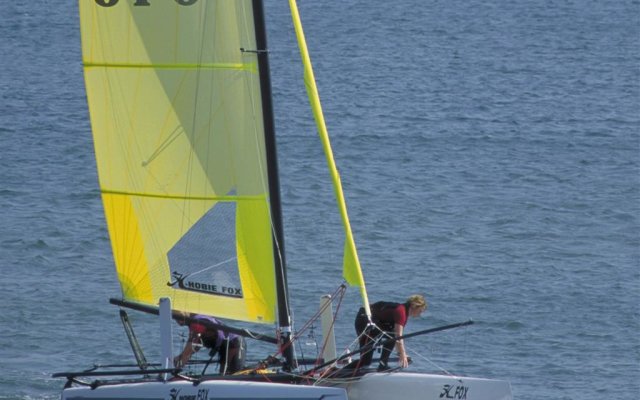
177 122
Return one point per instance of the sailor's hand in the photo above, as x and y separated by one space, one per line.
177 361
403 361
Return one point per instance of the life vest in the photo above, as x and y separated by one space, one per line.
381 313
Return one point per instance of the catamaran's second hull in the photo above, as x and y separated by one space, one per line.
214 389
414 386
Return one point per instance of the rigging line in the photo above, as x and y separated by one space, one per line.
333 321
428 360
299 333
371 345
348 349
308 323
314 317
206 269
342 289
326 373
299 347
164 145
432 362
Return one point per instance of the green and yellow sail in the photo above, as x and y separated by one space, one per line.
176 114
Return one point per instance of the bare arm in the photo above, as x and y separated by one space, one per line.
403 361
181 359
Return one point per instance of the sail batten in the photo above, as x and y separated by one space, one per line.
184 197
249 67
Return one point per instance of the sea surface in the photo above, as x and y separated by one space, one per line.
490 155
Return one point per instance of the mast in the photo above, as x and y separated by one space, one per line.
284 318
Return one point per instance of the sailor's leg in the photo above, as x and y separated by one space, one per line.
365 335
235 357
371 334
387 349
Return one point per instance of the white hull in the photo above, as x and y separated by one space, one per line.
215 389
372 386
413 386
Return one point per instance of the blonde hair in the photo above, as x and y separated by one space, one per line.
181 317
417 300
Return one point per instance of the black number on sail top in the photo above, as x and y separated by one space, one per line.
107 3
111 3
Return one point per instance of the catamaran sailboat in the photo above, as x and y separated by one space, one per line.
179 96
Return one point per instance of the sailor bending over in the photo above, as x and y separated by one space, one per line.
231 347
390 319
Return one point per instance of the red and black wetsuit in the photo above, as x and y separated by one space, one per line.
385 315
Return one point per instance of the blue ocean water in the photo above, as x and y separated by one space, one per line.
490 154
